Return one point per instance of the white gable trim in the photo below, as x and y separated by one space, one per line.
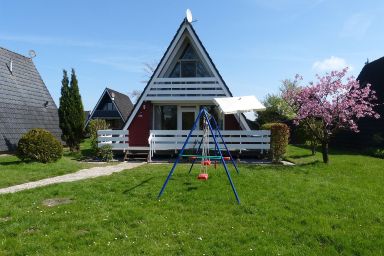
164 65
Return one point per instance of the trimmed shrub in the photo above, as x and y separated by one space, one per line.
105 153
93 126
279 140
39 145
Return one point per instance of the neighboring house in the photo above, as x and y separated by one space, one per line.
25 102
372 130
86 115
114 107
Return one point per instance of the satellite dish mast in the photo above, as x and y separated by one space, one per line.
188 14
32 54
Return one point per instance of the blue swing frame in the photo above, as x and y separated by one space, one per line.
204 112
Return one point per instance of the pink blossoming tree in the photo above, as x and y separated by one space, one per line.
332 103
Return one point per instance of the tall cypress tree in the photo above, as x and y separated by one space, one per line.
64 110
77 113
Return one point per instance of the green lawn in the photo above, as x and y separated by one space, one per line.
308 209
13 171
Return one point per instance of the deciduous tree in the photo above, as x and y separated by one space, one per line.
333 101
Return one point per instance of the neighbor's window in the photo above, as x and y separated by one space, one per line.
165 117
109 106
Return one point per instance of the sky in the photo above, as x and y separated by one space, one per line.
255 44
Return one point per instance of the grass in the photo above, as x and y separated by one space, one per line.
307 209
14 171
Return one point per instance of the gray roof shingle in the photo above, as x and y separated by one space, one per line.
123 103
23 95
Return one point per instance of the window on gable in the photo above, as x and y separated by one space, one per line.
109 106
189 65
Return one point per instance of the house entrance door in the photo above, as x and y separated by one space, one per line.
187 117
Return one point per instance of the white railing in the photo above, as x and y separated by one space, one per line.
185 87
118 139
235 140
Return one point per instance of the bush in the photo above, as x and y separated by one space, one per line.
105 153
93 126
39 145
279 140
375 152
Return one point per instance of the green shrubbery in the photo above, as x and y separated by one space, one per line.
375 152
39 145
279 140
105 152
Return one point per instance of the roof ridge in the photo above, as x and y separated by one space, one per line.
21 55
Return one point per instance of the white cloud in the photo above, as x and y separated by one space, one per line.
332 63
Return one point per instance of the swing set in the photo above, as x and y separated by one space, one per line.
210 127
228 105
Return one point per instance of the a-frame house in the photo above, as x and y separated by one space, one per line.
113 107
185 80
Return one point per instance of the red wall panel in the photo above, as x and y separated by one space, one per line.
140 126
231 123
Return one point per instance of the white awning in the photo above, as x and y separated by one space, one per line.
233 105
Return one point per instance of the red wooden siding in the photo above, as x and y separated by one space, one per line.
140 126
231 123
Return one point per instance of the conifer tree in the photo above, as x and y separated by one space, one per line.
77 118
64 109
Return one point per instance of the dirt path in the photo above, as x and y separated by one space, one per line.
79 175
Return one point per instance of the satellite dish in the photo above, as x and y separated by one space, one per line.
32 54
188 14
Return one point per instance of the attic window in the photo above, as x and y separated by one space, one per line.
189 65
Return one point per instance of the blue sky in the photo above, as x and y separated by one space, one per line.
255 44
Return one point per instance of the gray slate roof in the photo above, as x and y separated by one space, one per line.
123 103
23 95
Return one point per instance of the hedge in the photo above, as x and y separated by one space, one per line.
279 140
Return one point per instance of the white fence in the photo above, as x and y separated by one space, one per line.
235 140
117 139
174 140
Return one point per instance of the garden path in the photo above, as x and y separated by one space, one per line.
79 175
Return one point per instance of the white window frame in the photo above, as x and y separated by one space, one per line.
185 108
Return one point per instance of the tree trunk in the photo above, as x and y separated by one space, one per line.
324 148
313 148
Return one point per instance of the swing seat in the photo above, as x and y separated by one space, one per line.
203 176
226 158
206 162
192 158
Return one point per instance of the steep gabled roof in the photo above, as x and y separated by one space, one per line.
184 26
373 73
25 101
121 101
